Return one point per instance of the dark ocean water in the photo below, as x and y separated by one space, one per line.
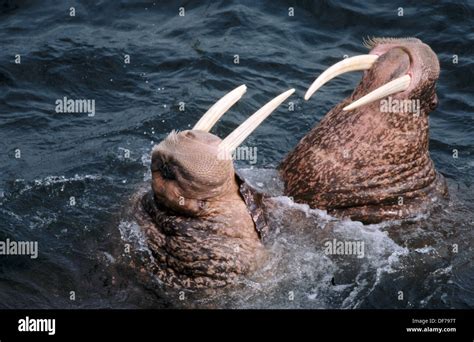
191 59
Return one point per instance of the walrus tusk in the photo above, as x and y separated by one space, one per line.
361 62
392 87
234 139
209 119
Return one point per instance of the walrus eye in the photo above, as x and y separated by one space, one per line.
202 205
434 102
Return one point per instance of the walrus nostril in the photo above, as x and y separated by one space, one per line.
190 134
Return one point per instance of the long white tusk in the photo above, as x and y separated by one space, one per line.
209 119
362 62
392 87
235 138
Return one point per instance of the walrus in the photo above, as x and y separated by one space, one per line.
368 158
199 219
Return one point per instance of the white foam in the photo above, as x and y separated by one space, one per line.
49 180
322 214
425 250
53 180
130 232
146 161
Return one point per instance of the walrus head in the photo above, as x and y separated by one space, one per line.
368 158
193 169
188 173
203 233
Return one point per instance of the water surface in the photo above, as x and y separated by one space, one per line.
190 59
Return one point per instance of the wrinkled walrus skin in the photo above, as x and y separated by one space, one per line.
367 164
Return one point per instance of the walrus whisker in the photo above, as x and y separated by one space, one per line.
395 86
209 119
234 139
361 62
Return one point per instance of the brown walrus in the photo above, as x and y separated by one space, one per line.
368 158
199 219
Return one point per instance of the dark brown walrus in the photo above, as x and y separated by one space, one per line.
199 219
364 160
